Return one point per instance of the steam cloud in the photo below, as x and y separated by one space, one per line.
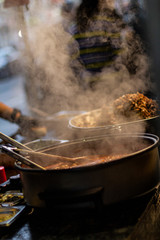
52 84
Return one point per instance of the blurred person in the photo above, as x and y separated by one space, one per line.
99 33
95 45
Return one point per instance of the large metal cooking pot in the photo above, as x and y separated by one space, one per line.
109 182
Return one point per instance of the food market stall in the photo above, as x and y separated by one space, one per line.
115 199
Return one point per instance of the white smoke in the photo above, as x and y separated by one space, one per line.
51 82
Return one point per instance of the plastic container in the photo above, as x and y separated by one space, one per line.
3 177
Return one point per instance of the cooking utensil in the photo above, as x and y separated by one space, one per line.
6 160
57 123
13 142
20 158
79 121
93 123
36 145
43 116
51 161
110 182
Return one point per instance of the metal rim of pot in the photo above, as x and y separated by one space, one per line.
83 168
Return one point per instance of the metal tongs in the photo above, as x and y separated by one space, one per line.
15 152
11 151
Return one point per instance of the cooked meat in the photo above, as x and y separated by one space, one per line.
143 106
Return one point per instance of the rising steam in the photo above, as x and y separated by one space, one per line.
53 87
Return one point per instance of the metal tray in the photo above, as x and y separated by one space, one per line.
11 198
9 214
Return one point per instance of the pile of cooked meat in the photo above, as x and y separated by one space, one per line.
141 105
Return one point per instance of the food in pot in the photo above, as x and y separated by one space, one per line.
86 160
87 152
83 157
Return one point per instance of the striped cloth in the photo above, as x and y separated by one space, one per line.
99 45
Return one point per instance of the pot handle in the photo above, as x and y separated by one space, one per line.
70 197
